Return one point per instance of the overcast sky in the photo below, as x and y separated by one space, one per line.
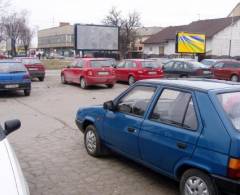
46 13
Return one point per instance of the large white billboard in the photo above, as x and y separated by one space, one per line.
96 37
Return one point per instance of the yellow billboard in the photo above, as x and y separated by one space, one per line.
190 43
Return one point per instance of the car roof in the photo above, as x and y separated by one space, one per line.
229 61
196 84
211 60
9 61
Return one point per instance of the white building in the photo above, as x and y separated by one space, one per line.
223 37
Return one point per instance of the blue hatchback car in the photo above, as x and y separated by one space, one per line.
14 76
188 130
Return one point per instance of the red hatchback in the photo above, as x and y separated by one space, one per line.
35 67
90 71
132 70
227 70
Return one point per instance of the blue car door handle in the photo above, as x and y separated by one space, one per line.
181 145
131 129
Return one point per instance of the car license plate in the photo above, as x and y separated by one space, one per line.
11 86
152 72
33 69
206 72
103 73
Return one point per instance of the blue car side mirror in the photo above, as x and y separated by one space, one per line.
109 106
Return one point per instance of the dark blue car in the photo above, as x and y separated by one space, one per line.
14 76
188 130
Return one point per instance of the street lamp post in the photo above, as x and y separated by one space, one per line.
230 41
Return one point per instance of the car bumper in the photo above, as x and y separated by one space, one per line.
36 74
100 80
79 124
227 185
143 77
20 86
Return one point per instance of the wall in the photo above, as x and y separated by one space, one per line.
56 37
150 49
221 41
169 47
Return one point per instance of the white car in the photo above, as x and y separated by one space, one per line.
11 177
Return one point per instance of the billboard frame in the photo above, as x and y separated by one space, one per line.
176 43
97 25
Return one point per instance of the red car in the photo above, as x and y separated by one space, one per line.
132 70
35 67
90 71
227 70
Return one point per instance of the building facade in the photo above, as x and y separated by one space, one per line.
142 34
58 40
222 37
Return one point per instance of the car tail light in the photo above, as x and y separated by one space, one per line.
89 73
234 168
160 71
41 68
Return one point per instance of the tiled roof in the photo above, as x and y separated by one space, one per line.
148 31
208 27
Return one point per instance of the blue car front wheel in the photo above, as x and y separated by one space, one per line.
92 142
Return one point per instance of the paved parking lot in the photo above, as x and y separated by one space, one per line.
51 151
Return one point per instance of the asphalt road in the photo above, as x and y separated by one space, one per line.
51 151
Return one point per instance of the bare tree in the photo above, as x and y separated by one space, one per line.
127 27
25 37
4 7
114 18
13 24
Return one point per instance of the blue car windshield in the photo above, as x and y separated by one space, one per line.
12 67
231 105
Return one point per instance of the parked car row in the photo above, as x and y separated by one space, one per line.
167 125
16 74
92 71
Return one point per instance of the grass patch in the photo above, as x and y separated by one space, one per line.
55 64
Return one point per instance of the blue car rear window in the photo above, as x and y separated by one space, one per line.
231 105
12 67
